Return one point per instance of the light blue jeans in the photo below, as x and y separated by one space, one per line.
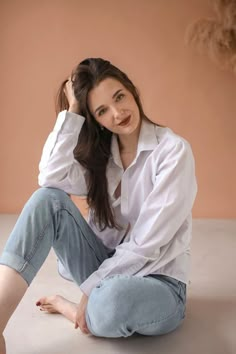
118 306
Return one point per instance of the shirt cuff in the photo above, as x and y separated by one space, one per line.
91 282
68 122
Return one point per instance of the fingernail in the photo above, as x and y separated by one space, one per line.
38 303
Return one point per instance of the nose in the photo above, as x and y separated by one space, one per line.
117 113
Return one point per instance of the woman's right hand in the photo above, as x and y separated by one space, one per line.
70 95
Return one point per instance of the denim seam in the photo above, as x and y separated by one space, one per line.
82 232
81 229
23 267
57 208
35 247
140 326
32 252
40 237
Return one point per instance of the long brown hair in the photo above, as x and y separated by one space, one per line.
93 148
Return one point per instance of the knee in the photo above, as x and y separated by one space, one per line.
49 194
108 308
44 198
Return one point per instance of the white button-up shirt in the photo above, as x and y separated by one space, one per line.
158 190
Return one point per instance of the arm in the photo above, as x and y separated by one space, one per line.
161 216
80 318
57 167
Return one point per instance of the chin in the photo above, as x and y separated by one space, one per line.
130 130
136 124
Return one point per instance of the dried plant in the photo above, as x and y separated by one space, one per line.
217 36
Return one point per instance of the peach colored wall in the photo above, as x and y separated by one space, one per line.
42 40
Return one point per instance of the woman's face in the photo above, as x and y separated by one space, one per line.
114 107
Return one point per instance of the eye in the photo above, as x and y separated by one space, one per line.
101 112
119 97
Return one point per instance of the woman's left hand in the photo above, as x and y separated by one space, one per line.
80 320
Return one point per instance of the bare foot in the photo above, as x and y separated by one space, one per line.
58 304
2 345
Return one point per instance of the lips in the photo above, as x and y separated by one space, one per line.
125 121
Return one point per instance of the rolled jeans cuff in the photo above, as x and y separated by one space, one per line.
24 268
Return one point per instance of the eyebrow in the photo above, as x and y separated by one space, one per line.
115 94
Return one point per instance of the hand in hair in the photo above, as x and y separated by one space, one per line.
69 92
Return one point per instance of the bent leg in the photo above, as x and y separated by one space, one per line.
51 219
123 305
48 219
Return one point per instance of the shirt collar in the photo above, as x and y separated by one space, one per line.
147 141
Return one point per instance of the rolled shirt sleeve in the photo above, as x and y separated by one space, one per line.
156 230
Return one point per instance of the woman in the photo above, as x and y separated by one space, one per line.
131 258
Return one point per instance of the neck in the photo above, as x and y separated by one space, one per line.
129 143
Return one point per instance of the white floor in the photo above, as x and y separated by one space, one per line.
209 328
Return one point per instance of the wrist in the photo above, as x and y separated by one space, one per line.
74 109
